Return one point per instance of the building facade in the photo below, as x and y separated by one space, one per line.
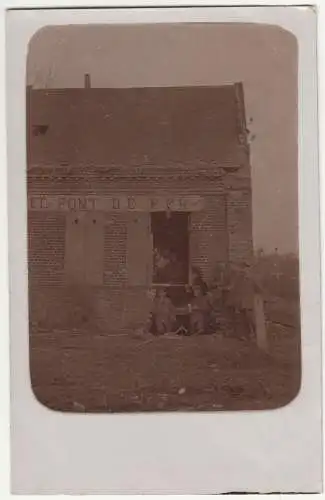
123 181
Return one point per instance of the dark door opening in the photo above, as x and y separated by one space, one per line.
170 232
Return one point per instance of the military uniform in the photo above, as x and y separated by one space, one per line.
163 313
199 308
243 287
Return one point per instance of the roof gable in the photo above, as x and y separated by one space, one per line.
133 126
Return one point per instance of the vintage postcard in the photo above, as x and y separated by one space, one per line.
163 169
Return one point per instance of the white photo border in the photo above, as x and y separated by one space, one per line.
180 453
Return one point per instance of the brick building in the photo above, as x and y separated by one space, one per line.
114 173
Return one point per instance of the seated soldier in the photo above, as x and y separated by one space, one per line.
199 310
197 280
163 312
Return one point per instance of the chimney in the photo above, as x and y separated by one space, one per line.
87 81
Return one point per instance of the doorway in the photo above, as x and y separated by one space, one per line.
170 232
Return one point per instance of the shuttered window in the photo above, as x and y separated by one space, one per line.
84 248
74 249
94 248
139 250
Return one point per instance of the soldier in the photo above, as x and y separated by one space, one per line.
199 311
245 293
241 299
163 312
197 279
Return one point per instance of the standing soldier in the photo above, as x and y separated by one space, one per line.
246 298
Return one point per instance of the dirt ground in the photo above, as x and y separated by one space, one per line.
85 372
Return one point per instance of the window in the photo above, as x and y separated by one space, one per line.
171 247
139 249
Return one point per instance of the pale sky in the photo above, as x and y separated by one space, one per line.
263 57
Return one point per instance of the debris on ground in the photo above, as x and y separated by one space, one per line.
147 341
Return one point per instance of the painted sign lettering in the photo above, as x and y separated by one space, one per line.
115 204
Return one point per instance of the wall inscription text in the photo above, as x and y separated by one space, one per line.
115 203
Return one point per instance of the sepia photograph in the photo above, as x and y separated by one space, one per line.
162 183
164 250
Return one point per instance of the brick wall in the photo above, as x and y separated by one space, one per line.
208 238
115 238
46 239
239 217
115 305
121 308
